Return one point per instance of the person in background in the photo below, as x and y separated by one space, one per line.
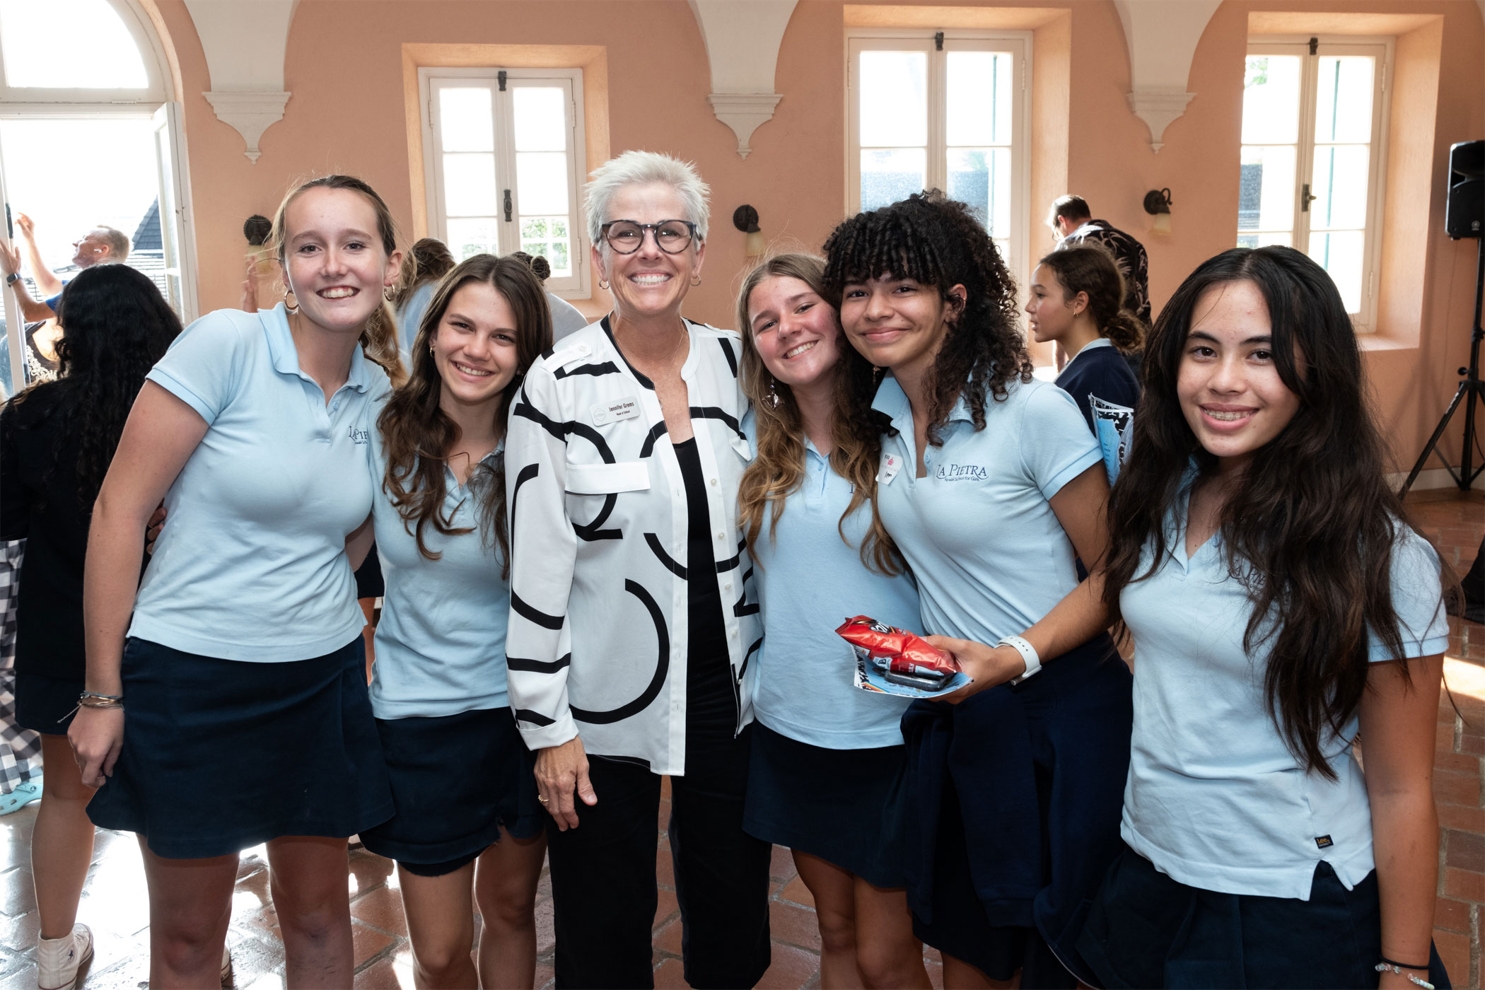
238 660
1073 224
101 245
56 442
566 318
426 262
1075 299
828 759
468 830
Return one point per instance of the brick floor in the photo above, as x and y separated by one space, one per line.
115 904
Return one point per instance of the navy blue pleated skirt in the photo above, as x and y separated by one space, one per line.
1146 930
221 755
842 805
456 781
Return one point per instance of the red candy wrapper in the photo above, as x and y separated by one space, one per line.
903 657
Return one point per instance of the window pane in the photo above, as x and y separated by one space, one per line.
981 177
1266 189
547 237
68 44
1340 254
891 175
1343 98
1265 239
1271 99
469 185
464 119
473 236
541 177
1340 184
541 118
979 98
894 100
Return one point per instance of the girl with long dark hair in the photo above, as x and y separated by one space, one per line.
1281 603
239 661
990 484
825 779
56 442
467 818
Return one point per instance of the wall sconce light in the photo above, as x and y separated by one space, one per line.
745 219
1157 204
257 229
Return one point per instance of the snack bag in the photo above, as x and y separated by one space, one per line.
900 657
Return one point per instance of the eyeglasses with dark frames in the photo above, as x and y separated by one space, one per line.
626 236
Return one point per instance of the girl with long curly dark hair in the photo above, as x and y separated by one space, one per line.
56 442
468 829
990 484
1280 602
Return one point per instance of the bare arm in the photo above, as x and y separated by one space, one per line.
161 434
358 543
1397 742
1080 507
32 311
47 283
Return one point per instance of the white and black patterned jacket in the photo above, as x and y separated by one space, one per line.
599 529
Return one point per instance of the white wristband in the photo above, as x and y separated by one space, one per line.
1028 654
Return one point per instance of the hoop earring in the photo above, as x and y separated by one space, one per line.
696 280
291 306
603 285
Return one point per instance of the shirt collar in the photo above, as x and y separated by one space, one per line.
893 401
286 356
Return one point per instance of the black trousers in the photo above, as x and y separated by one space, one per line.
603 874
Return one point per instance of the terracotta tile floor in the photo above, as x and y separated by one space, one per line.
114 903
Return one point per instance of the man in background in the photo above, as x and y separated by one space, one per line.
101 245
1073 223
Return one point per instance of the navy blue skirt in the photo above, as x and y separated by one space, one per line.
456 781
1146 929
842 805
220 755
45 704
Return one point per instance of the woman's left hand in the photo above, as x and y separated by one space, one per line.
987 665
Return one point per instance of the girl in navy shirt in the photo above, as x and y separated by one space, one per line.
1076 299
467 818
827 761
242 675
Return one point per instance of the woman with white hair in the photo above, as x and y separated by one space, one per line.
632 621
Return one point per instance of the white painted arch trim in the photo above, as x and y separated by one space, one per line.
245 45
742 46
1162 36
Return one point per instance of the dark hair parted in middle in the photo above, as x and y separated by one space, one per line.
1310 526
417 432
938 241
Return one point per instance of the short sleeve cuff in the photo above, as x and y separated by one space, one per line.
177 388
1083 462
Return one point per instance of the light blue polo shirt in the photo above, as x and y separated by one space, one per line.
988 553
809 581
1214 797
251 565
440 644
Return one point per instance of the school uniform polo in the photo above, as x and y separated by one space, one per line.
1099 370
809 580
1215 799
440 644
988 553
252 564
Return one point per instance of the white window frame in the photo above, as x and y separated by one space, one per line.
1382 49
1018 45
575 286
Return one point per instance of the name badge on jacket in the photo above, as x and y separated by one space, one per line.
611 412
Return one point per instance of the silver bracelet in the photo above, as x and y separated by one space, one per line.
1383 967
1028 654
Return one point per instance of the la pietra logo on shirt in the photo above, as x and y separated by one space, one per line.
358 435
961 472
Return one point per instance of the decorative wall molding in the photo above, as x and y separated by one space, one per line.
245 45
743 112
1162 36
251 113
742 45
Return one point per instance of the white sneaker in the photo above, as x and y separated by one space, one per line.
58 959
227 980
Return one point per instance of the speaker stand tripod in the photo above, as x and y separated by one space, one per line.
1471 392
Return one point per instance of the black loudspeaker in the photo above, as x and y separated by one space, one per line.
1464 213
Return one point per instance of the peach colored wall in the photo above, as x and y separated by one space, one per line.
344 68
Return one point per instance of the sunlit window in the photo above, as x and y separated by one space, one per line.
1309 171
940 112
504 156
68 44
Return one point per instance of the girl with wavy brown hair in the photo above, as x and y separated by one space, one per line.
468 831
828 759
990 484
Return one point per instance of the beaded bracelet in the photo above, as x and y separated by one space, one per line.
1388 966
92 699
